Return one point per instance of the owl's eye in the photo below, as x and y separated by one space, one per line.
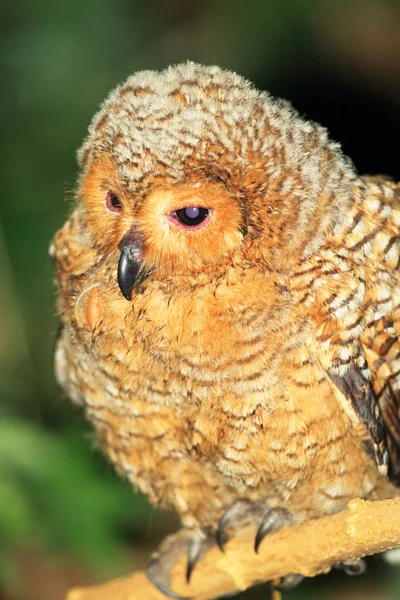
190 217
113 203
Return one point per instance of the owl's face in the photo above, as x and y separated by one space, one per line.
191 169
176 228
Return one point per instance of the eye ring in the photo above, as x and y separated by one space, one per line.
190 218
113 203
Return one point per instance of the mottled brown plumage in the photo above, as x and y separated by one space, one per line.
258 357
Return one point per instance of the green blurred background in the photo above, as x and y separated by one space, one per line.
65 518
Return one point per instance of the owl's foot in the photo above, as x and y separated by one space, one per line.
192 544
245 512
288 582
358 566
350 567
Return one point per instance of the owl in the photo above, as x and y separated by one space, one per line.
229 291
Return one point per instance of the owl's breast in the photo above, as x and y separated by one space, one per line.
192 345
148 371
188 394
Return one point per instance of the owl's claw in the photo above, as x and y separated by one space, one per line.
288 582
273 520
185 543
195 553
220 536
245 512
152 572
237 514
358 566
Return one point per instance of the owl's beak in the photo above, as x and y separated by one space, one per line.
131 271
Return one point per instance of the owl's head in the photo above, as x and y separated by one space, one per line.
193 168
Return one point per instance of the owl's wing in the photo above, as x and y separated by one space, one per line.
359 400
368 388
382 352
390 408
366 370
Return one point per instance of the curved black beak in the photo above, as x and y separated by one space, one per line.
130 267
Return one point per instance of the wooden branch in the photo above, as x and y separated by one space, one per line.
309 548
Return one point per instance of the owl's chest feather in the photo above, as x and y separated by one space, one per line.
176 400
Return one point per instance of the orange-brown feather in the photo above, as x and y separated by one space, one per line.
218 381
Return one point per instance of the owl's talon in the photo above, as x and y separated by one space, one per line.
194 555
288 582
152 572
235 513
273 520
358 566
187 543
245 512
220 537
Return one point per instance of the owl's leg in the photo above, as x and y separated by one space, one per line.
192 544
244 512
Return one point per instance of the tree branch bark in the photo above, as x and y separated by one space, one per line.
308 548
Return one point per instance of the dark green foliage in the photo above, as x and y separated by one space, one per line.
55 493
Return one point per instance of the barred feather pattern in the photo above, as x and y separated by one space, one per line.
263 364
